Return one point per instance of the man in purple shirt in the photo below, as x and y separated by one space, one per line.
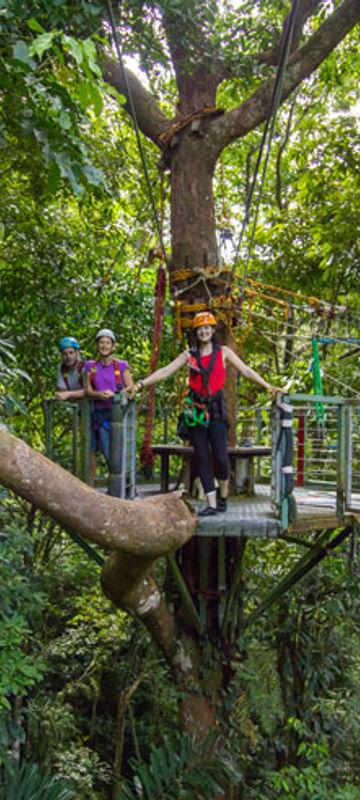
105 376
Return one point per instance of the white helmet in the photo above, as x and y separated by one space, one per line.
105 332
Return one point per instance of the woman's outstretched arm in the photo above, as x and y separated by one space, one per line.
231 358
165 372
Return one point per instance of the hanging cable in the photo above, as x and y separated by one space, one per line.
270 123
136 125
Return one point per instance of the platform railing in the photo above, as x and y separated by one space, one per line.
325 459
73 421
253 427
323 452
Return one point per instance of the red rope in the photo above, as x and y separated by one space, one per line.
146 455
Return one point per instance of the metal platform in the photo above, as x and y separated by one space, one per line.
245 516
253 516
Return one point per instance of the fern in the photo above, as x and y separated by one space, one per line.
187 773
28 782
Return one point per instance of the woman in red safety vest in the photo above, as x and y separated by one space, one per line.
205 410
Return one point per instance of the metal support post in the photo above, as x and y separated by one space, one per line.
301 444
275 459
132 448
122 461
342 458
116 465
85 439
75 428
349 471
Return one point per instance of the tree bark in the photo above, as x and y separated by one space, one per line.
254 110
137 532
142 529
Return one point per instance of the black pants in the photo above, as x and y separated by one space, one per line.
210 446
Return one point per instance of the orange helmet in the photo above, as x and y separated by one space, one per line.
203 318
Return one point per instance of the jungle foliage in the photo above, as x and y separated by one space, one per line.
87 705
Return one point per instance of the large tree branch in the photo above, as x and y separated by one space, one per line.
301 65
151 120
137 531
142 529
198 74
304 10
182 653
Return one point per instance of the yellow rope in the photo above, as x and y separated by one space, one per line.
226 307
311 300
165 138
276 300
179 275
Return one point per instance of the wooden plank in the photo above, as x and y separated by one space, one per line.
174 449
315 522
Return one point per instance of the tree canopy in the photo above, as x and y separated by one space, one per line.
83 691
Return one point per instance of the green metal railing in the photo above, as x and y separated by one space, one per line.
334 475
73 423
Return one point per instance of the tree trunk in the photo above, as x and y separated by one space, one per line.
192 205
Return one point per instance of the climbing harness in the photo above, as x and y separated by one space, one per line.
65 374
196 413
197 407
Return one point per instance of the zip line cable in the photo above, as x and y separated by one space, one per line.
136 125
270 124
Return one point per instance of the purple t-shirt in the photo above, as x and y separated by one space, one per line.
104 378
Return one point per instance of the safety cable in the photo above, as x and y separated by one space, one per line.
136 125
274 105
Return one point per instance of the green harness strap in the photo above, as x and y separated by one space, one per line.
194 416
318 389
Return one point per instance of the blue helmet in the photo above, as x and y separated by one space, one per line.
68 341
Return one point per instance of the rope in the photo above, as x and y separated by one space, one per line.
165 138
311 300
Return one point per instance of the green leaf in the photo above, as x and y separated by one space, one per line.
41 44
35 26
75 48
21 53
90 53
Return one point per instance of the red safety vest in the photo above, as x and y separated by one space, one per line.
216 378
